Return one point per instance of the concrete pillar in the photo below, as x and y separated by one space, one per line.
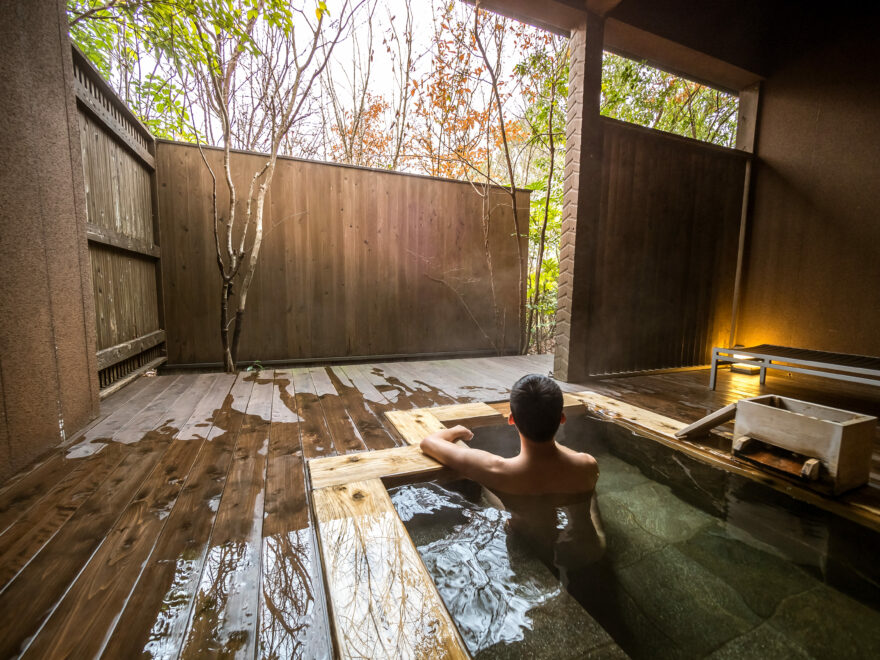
48 370
581 198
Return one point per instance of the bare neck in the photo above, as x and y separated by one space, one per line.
537 450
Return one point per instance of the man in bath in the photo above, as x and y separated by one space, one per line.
543 466
547 488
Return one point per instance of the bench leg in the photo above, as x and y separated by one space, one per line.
763 377
714 372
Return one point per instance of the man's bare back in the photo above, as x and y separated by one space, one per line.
545 468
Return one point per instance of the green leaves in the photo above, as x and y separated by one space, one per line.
635 92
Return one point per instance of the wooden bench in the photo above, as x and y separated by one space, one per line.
841 366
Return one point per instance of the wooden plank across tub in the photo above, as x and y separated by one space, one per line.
383 601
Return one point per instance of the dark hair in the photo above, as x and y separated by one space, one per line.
536 405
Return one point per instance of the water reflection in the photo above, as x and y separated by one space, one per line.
383 604
472 567
291 617
422 395
222 620
504 600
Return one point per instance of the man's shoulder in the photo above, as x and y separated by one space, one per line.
581 458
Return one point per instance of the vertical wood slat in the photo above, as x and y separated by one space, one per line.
665 253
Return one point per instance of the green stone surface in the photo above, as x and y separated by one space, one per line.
829 624
639 636
763 580
763 642
645 519
560 628
654 509
609 651
690 605
626 539
616 475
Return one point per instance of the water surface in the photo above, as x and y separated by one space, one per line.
698 563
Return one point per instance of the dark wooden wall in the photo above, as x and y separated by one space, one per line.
812 277
118 174
48 388
664 258
349 266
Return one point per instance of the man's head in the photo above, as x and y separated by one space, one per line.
536 407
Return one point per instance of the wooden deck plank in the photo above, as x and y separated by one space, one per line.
385 604
60 560
511 368
19 494
401 389
293 617
314 434
159 413
376 378
224 619
343 430
376 400
444 377
478 383
414 425
65 537
82 619
383 464
440 379
368 424
122 396
24 539
471 415
86 615
130 409
155 618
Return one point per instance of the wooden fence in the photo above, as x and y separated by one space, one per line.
662 278
355 262
119 173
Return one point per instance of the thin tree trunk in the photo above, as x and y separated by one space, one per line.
228 361
252 259
536 298
512 190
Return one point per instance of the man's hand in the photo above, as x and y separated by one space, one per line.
454 434
459 433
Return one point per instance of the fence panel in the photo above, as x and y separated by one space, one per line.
119 174
661 285
355 262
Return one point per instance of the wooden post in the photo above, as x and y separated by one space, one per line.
746 133
581 198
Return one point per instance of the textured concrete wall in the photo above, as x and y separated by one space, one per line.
48 374
812 272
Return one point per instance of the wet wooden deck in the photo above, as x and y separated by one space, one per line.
178 524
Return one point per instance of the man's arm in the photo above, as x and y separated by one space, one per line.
474 464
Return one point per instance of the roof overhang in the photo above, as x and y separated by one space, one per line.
625 38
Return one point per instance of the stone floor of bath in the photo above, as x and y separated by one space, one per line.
178 524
